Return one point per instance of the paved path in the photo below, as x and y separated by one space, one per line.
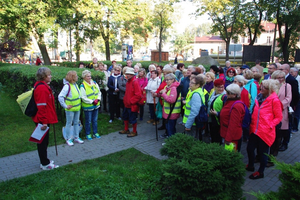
28 163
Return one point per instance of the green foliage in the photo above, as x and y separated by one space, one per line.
128 174
20 78
196 170
290 179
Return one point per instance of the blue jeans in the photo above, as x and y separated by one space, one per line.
91 117
171 127
72 118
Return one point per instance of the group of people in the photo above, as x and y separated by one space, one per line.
174 91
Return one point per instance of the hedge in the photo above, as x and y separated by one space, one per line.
18 78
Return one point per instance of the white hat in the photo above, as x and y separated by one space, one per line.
130 70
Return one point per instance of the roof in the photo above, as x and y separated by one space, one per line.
208 39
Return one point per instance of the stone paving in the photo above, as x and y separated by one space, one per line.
28 163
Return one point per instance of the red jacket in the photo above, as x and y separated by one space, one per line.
44 100
132 95
265 118
231 123
161 86
245 97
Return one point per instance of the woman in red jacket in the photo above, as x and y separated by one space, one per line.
231 116
266 115
46 114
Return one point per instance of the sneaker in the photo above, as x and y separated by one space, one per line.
119 118
164 136
256 175
49 166
70 142
97 135
89 137
163 144
51 162
124 132
110 121
78 140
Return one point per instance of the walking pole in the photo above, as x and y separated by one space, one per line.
155 119
55 140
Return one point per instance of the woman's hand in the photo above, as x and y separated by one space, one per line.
226 142
183 101
69 107
154 94
44 127
163 91
187 129
213 112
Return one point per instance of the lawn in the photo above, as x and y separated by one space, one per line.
127 174
16 128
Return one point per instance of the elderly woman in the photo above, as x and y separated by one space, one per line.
231 116
230 74
70 99
46 115
215 104
90 97
266 115
136 68
285 96
250 86
203 70
151 88
113 94
210 78
122 88
193 102
143 81
172 103
150 69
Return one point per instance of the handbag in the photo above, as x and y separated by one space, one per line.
158 111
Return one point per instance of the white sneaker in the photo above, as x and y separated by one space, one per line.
49 166
78 140
110 121
70 142
119 118
51 162
163 144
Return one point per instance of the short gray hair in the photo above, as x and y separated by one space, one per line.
168 68
272 84
248 74
151 66
234 89
295 69
227 62
85 72
42 73
170 76
277 73
192 67
203 68
241 79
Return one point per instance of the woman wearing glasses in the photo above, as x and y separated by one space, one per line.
230 74
267 114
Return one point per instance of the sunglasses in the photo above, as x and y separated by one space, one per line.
230 71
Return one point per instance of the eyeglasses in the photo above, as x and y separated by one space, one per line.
281 69
168 79
192 83
230 71
263 87
117 70
280 78
271 68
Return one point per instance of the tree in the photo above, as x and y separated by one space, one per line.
162 21
224 15
251 16
287 15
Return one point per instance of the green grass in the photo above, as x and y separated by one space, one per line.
16 128
127 174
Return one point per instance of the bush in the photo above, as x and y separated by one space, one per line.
290 179
20 78
196 170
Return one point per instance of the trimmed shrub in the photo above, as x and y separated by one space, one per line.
196 170
290 179
19 78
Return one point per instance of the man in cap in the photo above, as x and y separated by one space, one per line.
131 98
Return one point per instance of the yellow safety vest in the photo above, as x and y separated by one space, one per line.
75 101
187 107
91 93
177 107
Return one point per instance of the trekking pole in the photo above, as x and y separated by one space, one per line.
55 140
155 119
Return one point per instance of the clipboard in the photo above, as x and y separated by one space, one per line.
38 135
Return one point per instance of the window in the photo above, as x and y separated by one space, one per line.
268 40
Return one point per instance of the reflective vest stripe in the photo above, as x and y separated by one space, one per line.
41 104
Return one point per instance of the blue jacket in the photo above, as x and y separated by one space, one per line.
252 89
185 83
111 83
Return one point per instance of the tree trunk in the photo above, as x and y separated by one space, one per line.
227 48
107 50
77 45
160 43
40 40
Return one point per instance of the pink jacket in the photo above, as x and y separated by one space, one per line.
170 99
285 100
265 118
143 82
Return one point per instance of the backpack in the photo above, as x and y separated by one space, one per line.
202 116
27 103
247 118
